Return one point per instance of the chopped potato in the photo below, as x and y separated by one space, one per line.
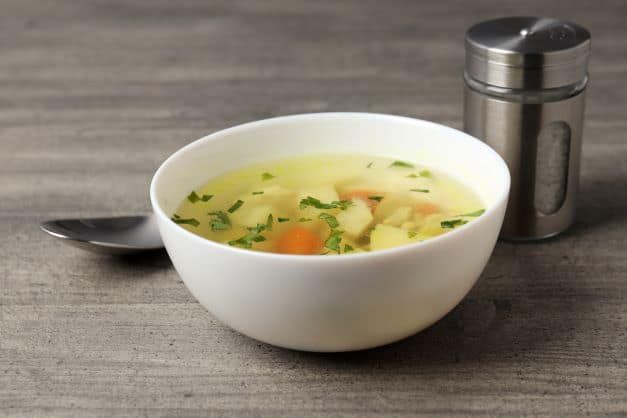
251 216
388 205
409 225
386 236
355 219
399 216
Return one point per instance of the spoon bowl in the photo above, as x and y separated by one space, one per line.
116 235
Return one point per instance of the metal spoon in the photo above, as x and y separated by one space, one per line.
120 235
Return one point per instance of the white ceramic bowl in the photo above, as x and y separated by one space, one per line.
332 303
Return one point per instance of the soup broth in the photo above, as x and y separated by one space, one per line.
324 205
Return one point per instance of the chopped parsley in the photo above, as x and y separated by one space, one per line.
185 221
369 164
420 190
411 234
376 198
267 176
423 173
316 203
475 213
253 235
280 220
452 223
348 248
193 197
269 222
401 164
175 216
258 192
220 221
329 219
342 204
305 220
235 206
334 240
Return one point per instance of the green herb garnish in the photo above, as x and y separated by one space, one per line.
452 223
411 234
316 203
376 198
369 164
329 219
334 240
257 192
419 190
401 164
342 204
305 220
220 222
475 213
423 173
235 206
280 220
253 235
193 197
188 221
267 176
269 222
348 248
175 216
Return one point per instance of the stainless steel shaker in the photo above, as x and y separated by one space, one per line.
525 81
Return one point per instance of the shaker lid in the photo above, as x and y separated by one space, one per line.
527 52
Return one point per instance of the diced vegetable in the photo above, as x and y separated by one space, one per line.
388 205
399 216
356 219
408 225
431 225
427 208
386 236
251 216
299 240
369 197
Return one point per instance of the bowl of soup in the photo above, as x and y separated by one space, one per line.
331 231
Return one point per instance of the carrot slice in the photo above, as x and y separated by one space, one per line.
427 208
299 240
363 195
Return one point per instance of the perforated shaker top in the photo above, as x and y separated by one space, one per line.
527 52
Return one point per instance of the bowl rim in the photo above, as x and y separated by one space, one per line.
500 200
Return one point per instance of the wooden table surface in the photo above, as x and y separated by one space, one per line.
95 94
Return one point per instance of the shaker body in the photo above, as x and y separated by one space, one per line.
541 143
524 85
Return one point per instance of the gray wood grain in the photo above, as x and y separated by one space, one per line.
93 95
